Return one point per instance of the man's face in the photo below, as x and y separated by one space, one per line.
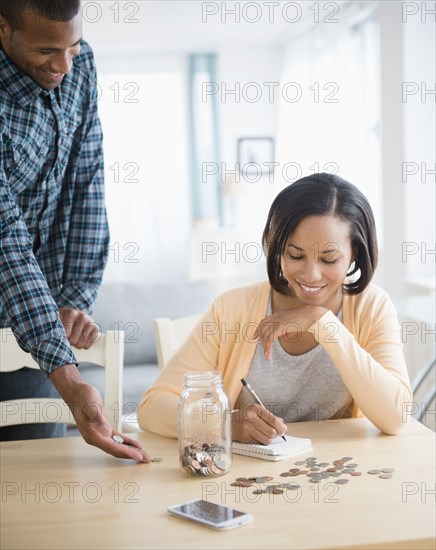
43 49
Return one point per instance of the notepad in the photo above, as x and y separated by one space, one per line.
277 450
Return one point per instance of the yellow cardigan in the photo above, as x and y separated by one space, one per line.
366 349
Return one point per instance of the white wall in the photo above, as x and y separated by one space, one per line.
254 114
420 144
408 130
255 53
249 113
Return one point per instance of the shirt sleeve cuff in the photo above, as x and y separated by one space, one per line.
54 353
78 296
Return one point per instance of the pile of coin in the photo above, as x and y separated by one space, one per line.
209 459
316 471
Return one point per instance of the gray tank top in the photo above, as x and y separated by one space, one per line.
297 388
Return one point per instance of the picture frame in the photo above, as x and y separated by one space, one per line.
255 155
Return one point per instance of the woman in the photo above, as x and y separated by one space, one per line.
316 342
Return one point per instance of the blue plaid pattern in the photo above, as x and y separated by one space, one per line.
54 237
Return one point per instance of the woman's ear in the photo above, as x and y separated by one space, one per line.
354 255
353 268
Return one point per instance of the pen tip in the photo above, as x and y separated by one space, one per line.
243 381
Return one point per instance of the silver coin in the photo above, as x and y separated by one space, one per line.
300 463
222 460
314 469
352 465
342 481
290 486
374 472
388 470
118 439
346 458
323 464
385 476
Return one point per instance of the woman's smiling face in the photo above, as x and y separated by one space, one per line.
316 260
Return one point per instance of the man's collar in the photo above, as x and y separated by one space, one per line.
17 83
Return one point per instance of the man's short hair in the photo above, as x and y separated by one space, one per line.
54 10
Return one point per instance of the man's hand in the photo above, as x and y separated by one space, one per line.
87 408
81 330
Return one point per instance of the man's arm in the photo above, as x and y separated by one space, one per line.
25 297
88 237
33 317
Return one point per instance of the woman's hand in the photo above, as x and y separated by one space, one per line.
255 424
287 323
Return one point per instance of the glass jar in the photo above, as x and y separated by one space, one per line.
205 440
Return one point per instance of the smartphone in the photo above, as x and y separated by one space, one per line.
210 514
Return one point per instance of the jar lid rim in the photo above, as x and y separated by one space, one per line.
206 375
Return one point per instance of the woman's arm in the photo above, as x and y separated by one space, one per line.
157 411
371 363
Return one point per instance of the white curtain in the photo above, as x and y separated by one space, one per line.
143 112
329 119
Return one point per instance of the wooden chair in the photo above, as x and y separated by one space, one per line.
170 334
107 351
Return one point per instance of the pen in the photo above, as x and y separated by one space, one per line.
253 393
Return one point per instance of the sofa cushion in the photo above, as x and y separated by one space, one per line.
133 308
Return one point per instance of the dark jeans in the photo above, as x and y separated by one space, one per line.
28 383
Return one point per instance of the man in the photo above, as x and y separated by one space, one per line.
54 236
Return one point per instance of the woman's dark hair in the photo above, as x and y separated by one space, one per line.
54 10
321 195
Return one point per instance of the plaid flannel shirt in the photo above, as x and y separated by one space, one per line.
54 236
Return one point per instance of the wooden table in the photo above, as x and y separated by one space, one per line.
65 494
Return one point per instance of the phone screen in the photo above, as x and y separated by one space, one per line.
208 511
